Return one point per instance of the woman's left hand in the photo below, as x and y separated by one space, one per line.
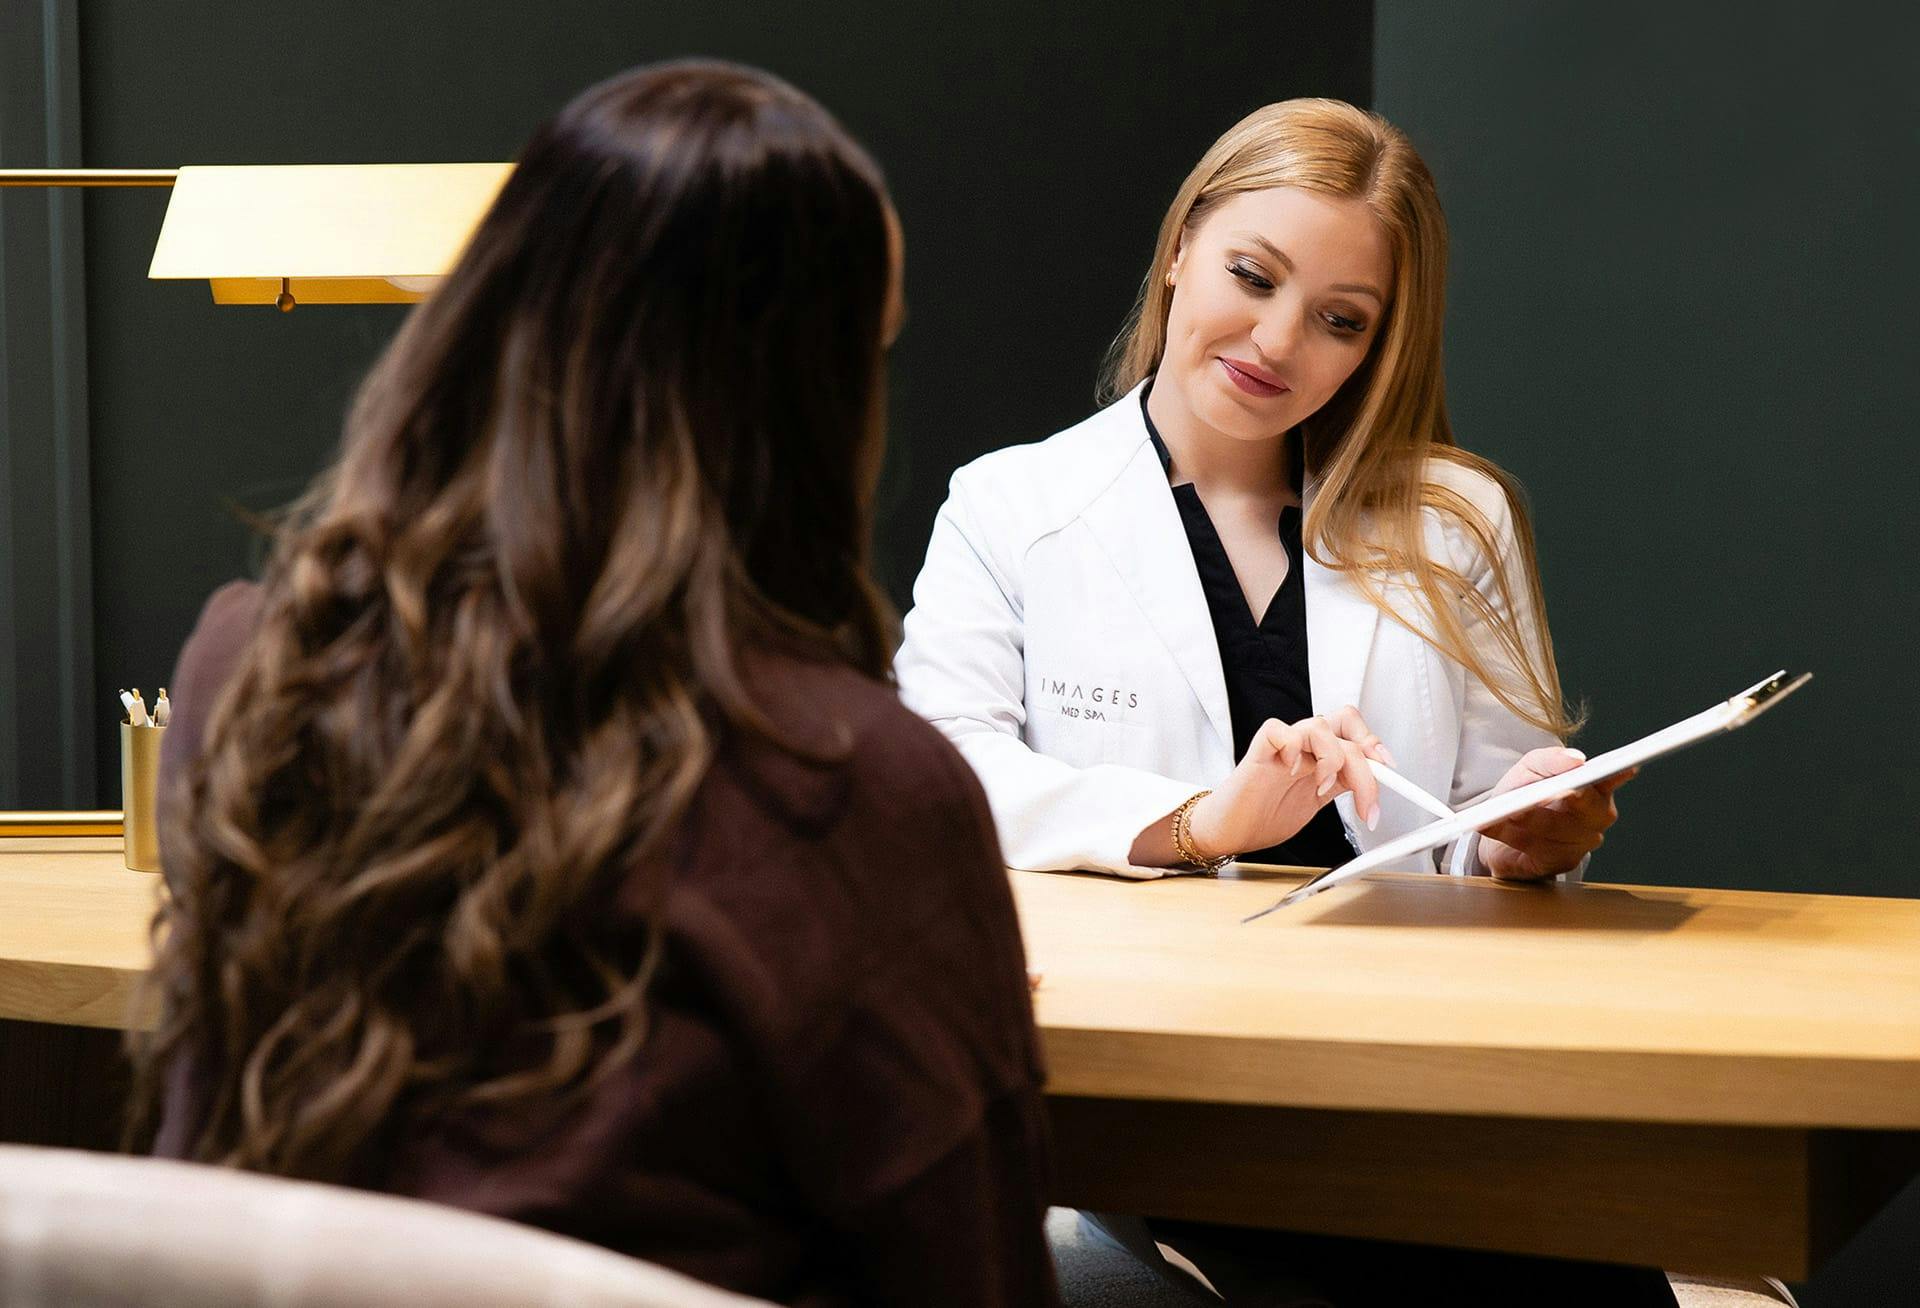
1549 838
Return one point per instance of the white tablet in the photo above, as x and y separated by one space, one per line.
1725 716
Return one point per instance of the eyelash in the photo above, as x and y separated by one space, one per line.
1249 276
1255 283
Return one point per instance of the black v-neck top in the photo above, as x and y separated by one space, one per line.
1265 662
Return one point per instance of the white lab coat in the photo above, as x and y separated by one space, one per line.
1060 639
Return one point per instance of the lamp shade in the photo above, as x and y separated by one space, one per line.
334 233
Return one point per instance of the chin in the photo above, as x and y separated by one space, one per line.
1228 413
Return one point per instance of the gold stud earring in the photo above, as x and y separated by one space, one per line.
1169 276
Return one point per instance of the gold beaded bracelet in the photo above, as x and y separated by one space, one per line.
1183 838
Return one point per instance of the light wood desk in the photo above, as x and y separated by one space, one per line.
1705 1080
1702 1080
73 930
73 944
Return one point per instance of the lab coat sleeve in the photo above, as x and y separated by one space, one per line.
1492 736
962 668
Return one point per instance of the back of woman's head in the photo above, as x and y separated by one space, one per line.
663 341
631 436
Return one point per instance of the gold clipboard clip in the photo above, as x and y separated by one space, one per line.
1764 695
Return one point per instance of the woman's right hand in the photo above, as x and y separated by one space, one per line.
1289 771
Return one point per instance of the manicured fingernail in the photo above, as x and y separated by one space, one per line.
1576 753
1386 756
1326 787
1373 818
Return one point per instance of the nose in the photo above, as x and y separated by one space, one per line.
1276 332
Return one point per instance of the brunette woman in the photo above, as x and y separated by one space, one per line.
546 836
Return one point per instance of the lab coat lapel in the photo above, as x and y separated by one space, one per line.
1138 525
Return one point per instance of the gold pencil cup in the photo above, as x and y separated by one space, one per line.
139 792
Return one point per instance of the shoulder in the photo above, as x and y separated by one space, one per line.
885 758
898 816
205 667
207 661
1480 483
233 607
1472 507
1044 484
226 622
815 699
886 836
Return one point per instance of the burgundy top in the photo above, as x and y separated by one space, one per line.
839 1097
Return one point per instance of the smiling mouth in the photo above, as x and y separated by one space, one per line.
1251 383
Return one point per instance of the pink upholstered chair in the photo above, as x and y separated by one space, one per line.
80 1230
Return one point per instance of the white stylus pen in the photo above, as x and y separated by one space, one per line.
1400 786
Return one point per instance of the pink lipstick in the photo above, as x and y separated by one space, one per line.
1253 379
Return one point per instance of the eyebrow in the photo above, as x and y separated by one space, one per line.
1281 255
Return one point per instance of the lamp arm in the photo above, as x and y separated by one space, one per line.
88 176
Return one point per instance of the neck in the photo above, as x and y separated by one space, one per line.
1212 460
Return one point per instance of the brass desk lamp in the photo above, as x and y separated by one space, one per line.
287 234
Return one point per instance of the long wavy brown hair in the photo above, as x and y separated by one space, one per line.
1373 445
631 437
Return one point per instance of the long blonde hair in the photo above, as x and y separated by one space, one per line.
1369 447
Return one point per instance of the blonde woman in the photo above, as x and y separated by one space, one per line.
1266 549
1167 636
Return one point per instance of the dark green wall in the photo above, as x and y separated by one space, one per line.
1684 270
1682 290
1032 150
1683 286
